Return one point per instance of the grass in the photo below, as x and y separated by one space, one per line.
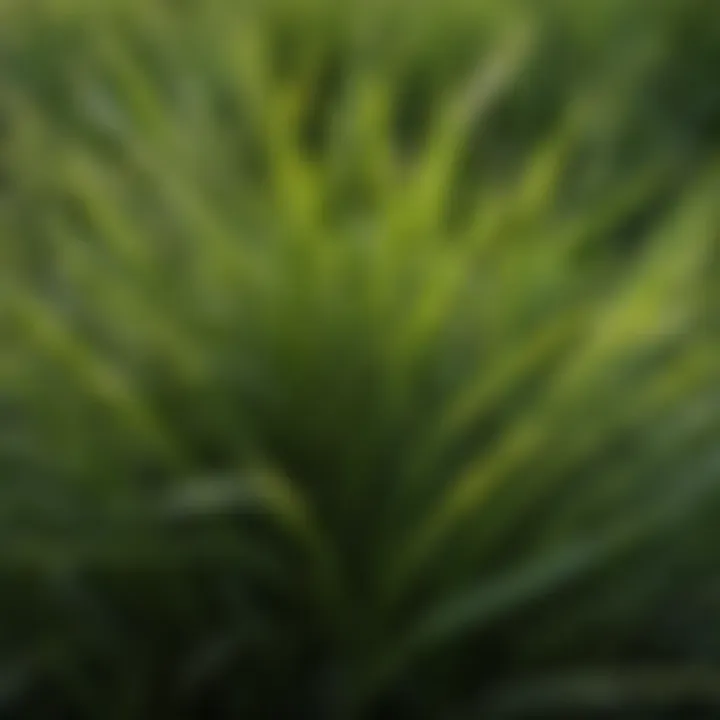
360 362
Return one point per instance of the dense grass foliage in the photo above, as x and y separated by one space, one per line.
360 360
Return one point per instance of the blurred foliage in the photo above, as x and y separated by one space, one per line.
359 360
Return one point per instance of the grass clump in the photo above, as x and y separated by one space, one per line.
359 362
